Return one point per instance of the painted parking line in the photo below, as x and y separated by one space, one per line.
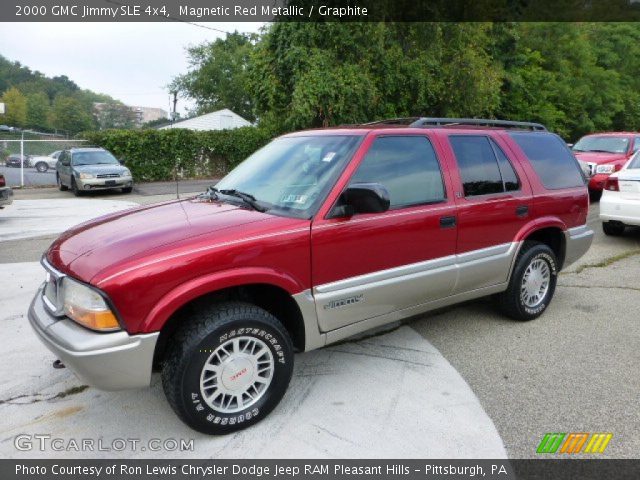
388 396
33 218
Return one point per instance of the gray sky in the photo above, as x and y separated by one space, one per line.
132 62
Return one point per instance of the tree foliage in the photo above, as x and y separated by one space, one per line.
15 104
574 77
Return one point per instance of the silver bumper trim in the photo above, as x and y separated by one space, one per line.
578 241
108 361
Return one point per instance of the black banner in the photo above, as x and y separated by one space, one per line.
318 10
556 469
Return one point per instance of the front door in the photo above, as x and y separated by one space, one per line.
374 264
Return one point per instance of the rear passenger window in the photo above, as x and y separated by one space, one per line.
484 168
407 167
550 158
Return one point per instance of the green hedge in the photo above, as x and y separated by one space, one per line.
153 155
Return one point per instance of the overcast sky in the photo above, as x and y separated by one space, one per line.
132 62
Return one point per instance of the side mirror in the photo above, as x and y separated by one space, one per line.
122 161
362 198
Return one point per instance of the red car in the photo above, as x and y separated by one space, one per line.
602 154
316 237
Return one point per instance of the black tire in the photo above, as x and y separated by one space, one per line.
595 195
127 189
614 229
61 187
511 302
42 167
74 188
193 345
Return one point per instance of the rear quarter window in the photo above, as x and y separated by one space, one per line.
550 158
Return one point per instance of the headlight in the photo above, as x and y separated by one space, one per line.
85 176
126 173
87 307
605 168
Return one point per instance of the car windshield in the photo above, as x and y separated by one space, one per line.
93 158
292 175
604 143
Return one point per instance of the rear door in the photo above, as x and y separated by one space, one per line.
374 264
494 202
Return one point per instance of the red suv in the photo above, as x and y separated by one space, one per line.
602 154
316 237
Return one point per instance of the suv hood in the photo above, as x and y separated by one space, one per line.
107 241
600 157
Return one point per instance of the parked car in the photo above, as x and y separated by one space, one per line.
89 169
6 193
42 163
602 154
6 128
316 237
16 160
620 203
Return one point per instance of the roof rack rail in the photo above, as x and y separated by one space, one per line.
450 122
393 121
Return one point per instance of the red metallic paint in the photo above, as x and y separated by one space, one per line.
152 260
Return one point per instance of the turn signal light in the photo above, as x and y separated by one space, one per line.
612 184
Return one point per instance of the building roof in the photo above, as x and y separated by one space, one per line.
219 120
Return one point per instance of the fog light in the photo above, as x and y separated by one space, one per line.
87 187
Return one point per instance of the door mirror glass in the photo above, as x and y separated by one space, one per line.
361 198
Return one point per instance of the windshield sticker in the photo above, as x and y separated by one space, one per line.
291 198
329 156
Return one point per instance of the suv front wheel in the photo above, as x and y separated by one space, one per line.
532 284
227 368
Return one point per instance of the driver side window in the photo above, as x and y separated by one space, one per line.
407 166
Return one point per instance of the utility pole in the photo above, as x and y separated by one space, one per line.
177 165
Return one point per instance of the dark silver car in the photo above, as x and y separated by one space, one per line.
89 169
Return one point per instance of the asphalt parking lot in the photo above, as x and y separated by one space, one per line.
32 178
460 382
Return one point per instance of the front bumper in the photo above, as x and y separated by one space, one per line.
6 196
578 241
104 183
615 207
108 361
596 183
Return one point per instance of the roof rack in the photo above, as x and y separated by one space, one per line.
484 122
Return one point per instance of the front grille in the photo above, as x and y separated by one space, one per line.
108 175
52 289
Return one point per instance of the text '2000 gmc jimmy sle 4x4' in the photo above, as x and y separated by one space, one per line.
316 237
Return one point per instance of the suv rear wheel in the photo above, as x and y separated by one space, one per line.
532 284
227 368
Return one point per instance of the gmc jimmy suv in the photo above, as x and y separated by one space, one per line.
316 237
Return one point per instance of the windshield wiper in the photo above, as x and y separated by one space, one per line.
247 198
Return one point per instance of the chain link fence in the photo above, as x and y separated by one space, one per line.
29 160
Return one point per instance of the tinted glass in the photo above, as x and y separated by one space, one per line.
478 165
509 177
635 162
550 158
636 144
406 166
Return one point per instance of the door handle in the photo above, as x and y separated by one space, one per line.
522 210
447 222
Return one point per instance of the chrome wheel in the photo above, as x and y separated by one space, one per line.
535 283
237 374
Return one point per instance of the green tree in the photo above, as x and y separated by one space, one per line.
115 115
70 116
15 107
218 77
38 111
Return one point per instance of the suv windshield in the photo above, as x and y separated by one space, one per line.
97 157
292 175
602 144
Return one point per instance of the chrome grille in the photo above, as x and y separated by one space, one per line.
108 175
52 289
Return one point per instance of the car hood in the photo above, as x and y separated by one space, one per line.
87 249
98 169
600 157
